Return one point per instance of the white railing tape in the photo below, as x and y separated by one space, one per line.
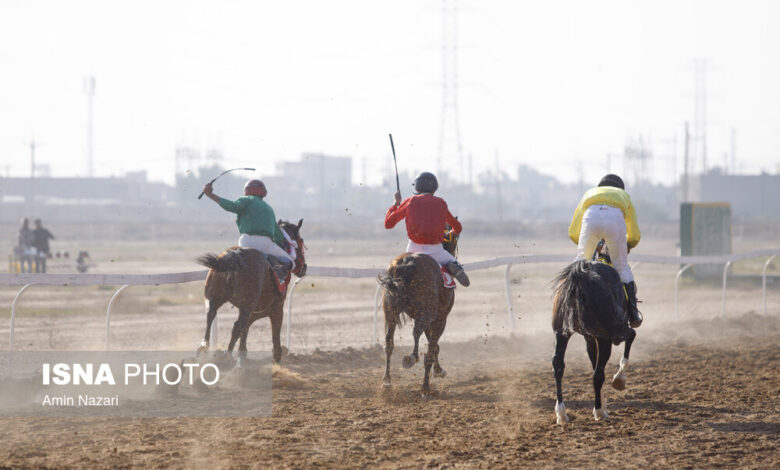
329 271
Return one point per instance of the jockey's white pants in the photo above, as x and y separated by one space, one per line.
607 222
437 252
264 245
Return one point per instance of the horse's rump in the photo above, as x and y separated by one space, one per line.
410 277
589 300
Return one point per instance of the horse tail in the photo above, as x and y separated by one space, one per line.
227 262
584 303
396 281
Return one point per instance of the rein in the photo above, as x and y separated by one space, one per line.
300 258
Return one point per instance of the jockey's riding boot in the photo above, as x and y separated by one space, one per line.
457 271
280 267
634 317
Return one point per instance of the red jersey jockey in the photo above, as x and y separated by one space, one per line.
426 218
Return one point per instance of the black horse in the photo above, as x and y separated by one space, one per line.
590 300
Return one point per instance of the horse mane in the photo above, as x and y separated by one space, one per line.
587 300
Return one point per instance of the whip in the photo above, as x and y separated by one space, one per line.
392 146
226 171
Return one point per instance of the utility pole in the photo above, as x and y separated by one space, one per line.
31 198
89 90
500 204
685 164
700 94
450 148
733 151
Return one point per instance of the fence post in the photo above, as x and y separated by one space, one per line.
509 306
763 279
289 312
108 312
723 294
676 288
376 311
13 317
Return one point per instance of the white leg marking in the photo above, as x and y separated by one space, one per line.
560 413
600 413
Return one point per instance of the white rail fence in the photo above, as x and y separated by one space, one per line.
127 280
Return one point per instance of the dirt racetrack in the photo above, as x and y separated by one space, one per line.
693 400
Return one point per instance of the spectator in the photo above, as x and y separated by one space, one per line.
41 238
25 247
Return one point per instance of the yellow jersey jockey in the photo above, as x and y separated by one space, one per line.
606 212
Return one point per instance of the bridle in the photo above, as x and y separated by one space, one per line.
300 257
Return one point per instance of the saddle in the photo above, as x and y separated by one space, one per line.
601 255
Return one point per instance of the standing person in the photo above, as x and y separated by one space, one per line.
426 218
606 212
25 246
41 238
257 224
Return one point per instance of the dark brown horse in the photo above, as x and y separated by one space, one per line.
243 277
590 300
413 286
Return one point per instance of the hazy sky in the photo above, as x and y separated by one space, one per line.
555 84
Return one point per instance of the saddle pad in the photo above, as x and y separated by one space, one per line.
449 282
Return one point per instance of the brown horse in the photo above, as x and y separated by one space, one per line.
243 277
413 286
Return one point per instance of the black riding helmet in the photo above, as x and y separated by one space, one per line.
426 183
612 180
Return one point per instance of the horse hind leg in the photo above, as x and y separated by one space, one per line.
605 349
238 328
438 370
619 380
211 313
420 325
276 331
389 345
430 358
561 341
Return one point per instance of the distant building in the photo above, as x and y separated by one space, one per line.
316 172
751 196
114 198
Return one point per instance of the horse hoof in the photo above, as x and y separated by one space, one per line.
202 348
409 361
600 413
386 384
560 414
618 382
441 373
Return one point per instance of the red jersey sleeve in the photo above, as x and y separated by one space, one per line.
396 214
456 226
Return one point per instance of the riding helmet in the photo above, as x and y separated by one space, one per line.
255 188
426 183
612 180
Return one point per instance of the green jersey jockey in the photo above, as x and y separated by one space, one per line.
256 222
